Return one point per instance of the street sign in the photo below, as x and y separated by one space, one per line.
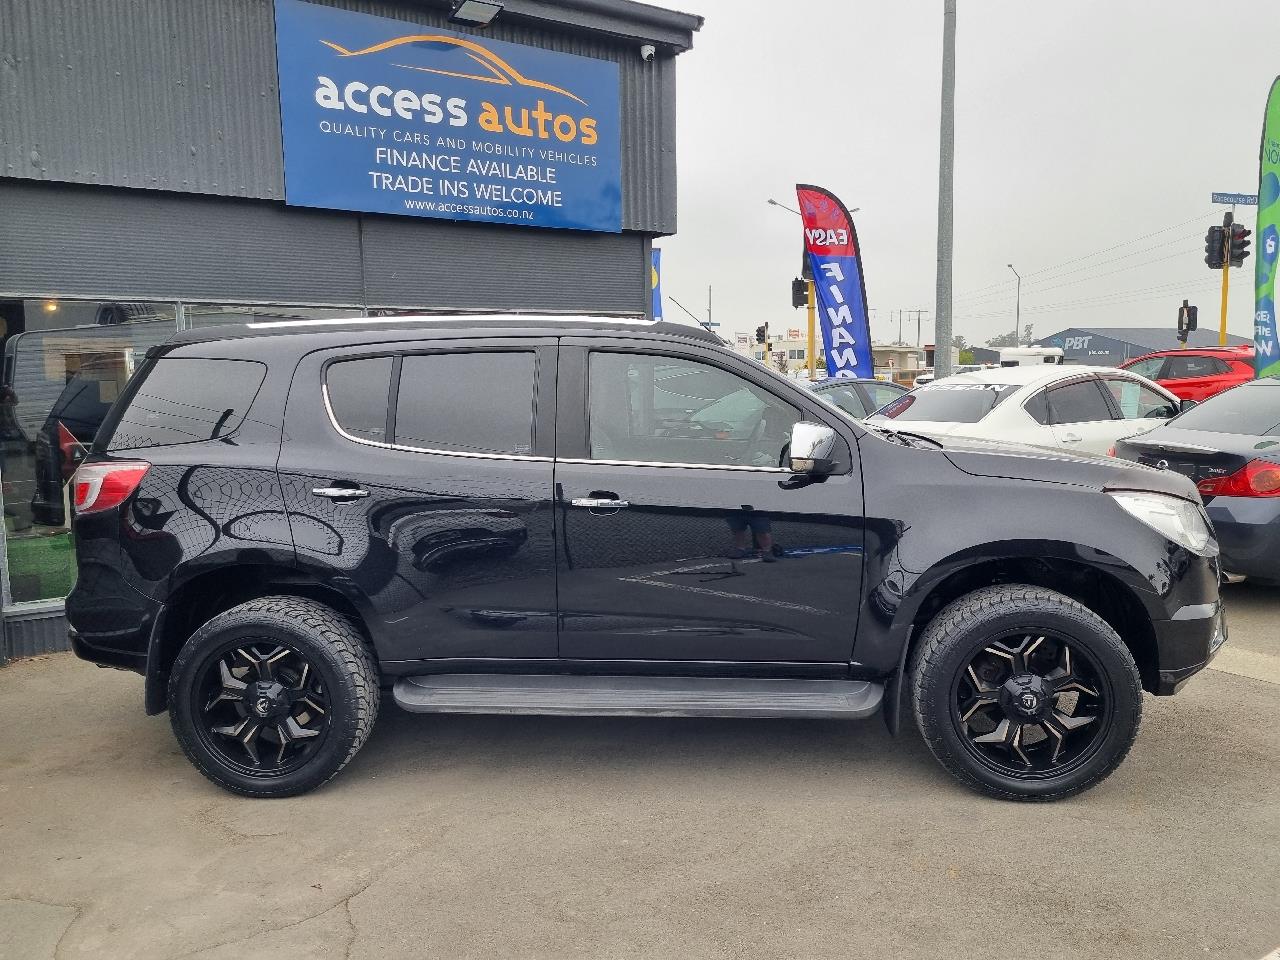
1238 199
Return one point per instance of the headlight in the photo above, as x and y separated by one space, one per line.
1175 519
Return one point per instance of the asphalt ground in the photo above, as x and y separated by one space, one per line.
460 837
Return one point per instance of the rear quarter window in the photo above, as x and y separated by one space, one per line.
186 400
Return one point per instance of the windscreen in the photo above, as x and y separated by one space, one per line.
948 401
1252 409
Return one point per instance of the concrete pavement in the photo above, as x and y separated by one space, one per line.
459 837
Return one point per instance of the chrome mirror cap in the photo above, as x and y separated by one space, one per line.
812 446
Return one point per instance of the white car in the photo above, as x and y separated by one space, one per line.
1070 408
929 376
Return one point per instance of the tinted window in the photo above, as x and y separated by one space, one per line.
467 402
881 393
1252 409
1038 407
844 398
1182 368
950 401
183 401
1147 368
663 410
358 395
1139 402
1081 402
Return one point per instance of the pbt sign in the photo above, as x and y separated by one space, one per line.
1076 343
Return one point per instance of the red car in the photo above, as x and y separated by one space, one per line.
1196 374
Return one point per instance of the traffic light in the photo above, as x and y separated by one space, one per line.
762 333
1214 247
1188 319
1239 244
799 293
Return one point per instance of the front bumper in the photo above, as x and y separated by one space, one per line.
1186 643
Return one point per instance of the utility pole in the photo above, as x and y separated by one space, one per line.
919 314
1017 310
946 178
899 326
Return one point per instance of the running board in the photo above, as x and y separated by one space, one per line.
559 695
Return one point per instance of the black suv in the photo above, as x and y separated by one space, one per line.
541 515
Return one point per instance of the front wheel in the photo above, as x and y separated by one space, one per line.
1025 694
273 697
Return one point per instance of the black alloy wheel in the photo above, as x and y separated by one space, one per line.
265 709
273 697
1030 705
1025 694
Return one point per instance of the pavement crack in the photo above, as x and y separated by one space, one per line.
77 911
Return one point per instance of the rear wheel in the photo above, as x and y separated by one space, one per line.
1023 693
273 697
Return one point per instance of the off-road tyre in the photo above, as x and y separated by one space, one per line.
964 629
343 666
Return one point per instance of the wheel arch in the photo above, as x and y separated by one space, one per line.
1100 589
202 597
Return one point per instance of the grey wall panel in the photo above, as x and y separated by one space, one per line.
161 94
61 240
70 241
180 95
29 635
410 263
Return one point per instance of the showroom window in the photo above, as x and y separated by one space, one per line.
65 361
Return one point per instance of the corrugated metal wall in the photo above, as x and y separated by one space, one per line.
181 95
66 241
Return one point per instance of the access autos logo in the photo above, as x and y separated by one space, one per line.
460 59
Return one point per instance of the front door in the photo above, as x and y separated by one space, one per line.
681 537
418 483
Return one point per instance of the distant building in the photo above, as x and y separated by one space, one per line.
1112 346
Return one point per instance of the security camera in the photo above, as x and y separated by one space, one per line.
648 51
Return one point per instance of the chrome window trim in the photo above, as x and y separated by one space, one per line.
405 448
678 465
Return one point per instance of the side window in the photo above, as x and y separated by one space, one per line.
1147 368
1038 407
1080 402
358 396
880 395
188 400
656 409
1139 402
1183 368
846 399
473 402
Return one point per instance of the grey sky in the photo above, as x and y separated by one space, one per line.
1078 126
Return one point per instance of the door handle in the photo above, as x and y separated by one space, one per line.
599 503
1070 438
340 493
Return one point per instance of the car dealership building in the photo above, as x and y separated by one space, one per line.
167 165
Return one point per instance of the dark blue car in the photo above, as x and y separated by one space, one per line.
1230 446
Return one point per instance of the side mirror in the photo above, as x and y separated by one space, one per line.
812 448
1186 405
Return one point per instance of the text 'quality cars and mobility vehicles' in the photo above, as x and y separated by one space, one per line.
532 515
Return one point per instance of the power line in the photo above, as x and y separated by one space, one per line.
1095 253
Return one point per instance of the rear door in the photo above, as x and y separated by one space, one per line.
1081 416
418 482
680 538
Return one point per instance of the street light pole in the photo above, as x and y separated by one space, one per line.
1017 310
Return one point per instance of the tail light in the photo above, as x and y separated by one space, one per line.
70 447
1257 478
101 486
1111 450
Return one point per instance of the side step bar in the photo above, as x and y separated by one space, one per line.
557 695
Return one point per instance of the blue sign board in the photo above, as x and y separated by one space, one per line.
1241 199
384 116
